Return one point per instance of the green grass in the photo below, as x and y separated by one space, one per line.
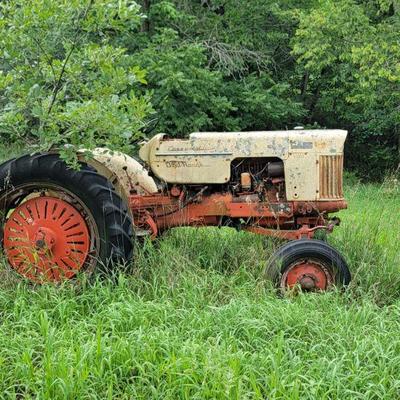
194 320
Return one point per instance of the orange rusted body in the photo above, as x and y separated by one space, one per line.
285 220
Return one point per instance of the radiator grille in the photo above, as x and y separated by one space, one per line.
331 177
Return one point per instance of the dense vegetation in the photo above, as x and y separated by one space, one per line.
108 72
195 320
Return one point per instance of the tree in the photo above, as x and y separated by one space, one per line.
219 66
350 52
64 77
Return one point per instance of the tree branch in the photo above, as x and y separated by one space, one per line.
46 56
57 84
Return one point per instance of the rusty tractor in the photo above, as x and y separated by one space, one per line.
59 223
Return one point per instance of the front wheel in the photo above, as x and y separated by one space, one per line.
58 223
311 265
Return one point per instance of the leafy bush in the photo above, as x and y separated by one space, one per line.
64 78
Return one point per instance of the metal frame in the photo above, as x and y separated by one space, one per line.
286 220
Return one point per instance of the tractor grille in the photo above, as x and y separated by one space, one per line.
331 177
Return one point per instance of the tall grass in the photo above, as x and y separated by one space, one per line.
194 319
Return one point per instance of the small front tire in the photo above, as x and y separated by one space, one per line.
311 265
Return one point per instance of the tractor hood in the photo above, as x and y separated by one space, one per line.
205 157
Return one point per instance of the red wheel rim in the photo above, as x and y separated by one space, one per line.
310 275
46 239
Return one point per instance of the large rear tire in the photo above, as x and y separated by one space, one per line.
58 223
309 264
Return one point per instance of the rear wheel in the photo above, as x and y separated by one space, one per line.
57 222
311 265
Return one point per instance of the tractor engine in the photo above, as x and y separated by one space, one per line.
263 176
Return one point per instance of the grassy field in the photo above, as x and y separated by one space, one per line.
193 319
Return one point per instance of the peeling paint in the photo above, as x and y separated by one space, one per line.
299 150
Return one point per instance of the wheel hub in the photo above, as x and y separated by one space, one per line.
307 282
309 275
46 239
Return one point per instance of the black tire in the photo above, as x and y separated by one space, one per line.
92 192
311 251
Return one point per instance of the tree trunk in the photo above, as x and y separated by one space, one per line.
146 23
304 84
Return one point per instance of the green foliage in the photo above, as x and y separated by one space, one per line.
212 71
352 62
64 79
186 94
261 103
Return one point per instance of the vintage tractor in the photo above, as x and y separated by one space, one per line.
59 223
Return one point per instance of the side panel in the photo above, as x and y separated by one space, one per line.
205 158
314 167
301 178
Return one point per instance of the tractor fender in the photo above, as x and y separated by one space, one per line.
124 172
